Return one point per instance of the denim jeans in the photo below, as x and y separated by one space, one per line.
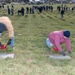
48 43
12 42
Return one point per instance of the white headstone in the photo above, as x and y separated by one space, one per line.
60 57
6 55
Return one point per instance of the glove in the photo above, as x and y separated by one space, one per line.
0 44
69 52
9 42
63 53
2 47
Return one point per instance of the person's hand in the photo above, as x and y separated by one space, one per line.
69 52
63 53
9 42
2 47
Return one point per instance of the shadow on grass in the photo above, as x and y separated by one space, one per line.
41 16
72 22
49 17
34 16
26 16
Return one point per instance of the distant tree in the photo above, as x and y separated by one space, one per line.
8 1
66 0
26 0
69 0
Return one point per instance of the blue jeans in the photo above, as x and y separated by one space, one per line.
12 42
48 43
2 29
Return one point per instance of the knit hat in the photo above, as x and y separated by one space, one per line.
66 33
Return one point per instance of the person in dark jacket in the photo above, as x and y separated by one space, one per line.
62 13
22 11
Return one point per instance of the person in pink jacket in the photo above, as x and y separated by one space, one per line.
56 38
5 25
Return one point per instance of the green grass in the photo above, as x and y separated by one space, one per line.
31 53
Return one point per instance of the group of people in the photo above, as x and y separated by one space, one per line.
30 10
21 11
54 40
10 10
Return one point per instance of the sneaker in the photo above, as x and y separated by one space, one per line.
13 48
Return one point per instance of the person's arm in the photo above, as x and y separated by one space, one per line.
68 45
57 43
9 42
0 38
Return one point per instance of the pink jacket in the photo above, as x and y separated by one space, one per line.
8 24
57 38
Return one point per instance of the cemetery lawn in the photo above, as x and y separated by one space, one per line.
31 52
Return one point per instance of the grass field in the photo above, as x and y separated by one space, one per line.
31 52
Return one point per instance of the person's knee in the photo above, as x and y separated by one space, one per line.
48 42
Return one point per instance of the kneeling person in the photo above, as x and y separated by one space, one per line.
56 38
5 25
